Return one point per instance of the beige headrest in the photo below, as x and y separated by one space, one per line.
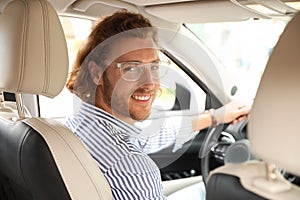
274 122
33 50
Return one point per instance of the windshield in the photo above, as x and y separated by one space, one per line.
243 48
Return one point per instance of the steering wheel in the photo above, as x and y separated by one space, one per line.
209 142
235 150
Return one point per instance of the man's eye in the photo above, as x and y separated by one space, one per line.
129 69
155 67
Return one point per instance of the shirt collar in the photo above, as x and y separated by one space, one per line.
100 114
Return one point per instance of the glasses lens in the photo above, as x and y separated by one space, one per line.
159 69
131 71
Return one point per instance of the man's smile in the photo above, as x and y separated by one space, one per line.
141 98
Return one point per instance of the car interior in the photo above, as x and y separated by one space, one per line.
254 159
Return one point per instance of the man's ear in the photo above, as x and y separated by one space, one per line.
95 72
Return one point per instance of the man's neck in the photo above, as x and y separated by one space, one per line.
108 109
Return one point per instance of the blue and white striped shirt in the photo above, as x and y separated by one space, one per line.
119 152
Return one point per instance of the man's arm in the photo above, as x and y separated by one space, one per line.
232 112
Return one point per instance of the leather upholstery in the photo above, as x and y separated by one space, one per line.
27 168
274 124
218 188
32 45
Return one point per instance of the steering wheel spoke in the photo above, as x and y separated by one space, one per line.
219 150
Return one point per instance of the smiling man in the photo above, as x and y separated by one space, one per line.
116 77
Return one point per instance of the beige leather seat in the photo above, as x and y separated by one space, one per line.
273 131
39 158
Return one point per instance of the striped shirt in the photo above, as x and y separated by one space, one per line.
120 151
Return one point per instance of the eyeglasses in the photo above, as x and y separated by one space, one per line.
132 71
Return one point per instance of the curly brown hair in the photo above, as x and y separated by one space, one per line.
80 81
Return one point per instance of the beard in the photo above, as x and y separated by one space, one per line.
119 101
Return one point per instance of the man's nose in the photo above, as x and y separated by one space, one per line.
146 75
147 78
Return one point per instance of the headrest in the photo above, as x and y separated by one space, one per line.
33 50
275 118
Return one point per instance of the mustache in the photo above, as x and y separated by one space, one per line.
145 91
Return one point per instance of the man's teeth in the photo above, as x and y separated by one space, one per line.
141 97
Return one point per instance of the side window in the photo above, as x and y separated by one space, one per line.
179 93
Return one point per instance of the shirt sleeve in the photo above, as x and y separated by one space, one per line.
158 134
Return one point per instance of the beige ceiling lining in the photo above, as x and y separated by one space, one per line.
93 9
84 5
201 11
185 11
61 5
278 6
154 2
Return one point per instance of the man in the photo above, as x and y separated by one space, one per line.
116 76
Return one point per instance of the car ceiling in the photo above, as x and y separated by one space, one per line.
164 12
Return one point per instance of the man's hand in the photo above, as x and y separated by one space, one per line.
233 112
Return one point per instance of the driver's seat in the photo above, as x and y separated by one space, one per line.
273 131
40 158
